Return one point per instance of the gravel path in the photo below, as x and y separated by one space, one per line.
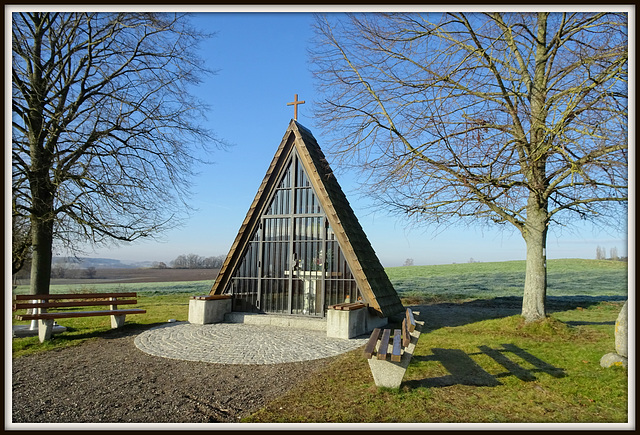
109 380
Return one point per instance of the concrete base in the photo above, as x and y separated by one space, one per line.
20 331
202 312
349 324
309 323
389 374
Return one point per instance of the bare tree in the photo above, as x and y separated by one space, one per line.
194 261
91 272
105 133
499 118
180 262
20 243
408 262
614 254
600 253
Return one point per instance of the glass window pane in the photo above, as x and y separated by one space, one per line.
275 263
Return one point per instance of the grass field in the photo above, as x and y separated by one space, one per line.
491 371
571 277
482 369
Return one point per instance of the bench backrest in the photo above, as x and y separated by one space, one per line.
411 321
82 296
73 300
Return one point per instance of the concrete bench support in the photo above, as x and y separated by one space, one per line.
209 309
117 321
45 329
352 323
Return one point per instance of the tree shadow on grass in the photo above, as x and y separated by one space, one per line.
451 314
580 323
464 370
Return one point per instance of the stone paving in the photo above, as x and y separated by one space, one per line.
238 343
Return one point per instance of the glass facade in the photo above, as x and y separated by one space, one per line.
293 263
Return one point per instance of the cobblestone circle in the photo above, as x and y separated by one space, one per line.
238 343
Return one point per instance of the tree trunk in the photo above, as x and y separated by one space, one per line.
536 224
40 183
42 221
42 239
535 283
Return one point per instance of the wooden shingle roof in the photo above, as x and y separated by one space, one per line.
365 266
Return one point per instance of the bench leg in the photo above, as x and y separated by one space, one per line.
45 329
386 373
117 321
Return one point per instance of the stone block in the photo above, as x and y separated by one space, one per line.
613 359
622 332
202 312
310 323
353 323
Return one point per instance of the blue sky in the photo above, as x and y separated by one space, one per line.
262 62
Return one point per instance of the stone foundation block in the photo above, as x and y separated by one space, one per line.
204 311
353 323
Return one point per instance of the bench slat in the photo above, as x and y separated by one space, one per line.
384 344
210 297
348 306
411 321
74 296
24 305
406 337
396 353
71 314
371 344
353 307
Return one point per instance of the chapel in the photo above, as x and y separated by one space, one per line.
300 248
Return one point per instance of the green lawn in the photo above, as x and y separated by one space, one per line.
491 371
477 370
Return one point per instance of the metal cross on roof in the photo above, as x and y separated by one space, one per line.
295 103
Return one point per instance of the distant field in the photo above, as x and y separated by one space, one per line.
146 288
107 276
490 280
452 281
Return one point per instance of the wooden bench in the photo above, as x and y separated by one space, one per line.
40 304
392 347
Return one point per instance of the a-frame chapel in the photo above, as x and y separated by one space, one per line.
300 248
